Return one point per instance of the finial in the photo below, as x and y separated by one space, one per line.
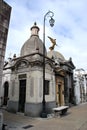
14 56
70 59
35 23
34 29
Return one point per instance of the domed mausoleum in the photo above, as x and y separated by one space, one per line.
33 43
56 55
63 78
23 87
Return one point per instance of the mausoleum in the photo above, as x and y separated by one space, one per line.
22 86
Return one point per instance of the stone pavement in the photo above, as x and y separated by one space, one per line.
76 119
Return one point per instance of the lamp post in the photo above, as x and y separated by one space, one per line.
51 21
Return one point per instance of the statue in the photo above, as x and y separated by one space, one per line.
53 41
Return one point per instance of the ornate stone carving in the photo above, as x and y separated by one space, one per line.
22 65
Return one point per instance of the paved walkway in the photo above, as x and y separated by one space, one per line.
76 119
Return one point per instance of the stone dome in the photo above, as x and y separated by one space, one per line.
34 43
56 55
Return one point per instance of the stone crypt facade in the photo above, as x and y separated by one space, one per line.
23 89
5 12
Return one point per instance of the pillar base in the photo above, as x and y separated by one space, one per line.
44 115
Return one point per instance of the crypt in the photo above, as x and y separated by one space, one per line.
22 85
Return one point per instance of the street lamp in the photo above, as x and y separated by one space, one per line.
51 21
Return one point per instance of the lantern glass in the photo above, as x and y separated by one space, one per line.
51 21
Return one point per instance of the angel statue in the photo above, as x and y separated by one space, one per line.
53 41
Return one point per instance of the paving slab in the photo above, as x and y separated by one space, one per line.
75 119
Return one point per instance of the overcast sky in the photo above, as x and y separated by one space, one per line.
70 29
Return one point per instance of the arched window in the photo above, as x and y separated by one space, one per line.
6 88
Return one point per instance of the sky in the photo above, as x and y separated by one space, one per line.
69 30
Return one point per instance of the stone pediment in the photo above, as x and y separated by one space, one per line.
70 63
21 64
